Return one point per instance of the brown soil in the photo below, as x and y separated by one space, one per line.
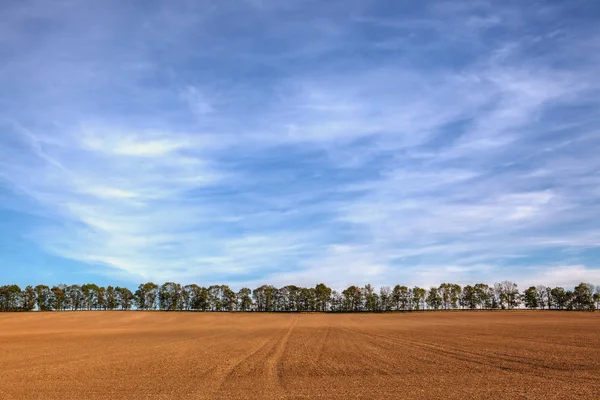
157 355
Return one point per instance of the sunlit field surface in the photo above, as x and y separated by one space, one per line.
427 355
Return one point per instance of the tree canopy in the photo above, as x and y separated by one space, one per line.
172 296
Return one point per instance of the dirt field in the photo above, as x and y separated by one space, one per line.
156 355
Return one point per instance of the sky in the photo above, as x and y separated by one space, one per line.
256 142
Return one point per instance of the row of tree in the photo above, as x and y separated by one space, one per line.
175 297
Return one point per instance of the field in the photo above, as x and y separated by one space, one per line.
159 355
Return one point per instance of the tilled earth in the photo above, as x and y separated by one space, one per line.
187 355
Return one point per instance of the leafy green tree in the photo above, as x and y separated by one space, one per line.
484 295
190 294
306 299
263 298
112 301
371 298
10 298
214 297
59 298
352 298
530 298
274 301
559 298
419 298
75 295
146 295
244 299
469 298
101 298
323 296
401 296
202 300
43 297
229 298
170 297
583 297
569 300
28 299
450 294
434 299
124 298
288 298
90 295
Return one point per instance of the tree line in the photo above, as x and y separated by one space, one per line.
175 297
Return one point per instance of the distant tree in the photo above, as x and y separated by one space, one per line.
307 300
170 297
402 297
90 295
244 299
396 296
385 298
10 298
541 292
559 298
287 298
28 299
229 298
352 299
146 295
322 297
189 294
371 298
67 300
101 298
508 294
469 298
337 301
455 292
419 298
59 298
124 298
203 303
597 297
583 297
43 297
530 297
434 299
112 301
76 298
450 294
264 298
484 296
444 292
569 300
214 297
549 299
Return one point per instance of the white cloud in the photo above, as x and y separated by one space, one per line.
567 276
198 102
302 150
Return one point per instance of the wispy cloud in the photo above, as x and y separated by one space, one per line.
285 143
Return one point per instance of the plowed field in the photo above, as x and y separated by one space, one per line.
157 355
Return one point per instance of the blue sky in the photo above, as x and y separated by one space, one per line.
261 141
